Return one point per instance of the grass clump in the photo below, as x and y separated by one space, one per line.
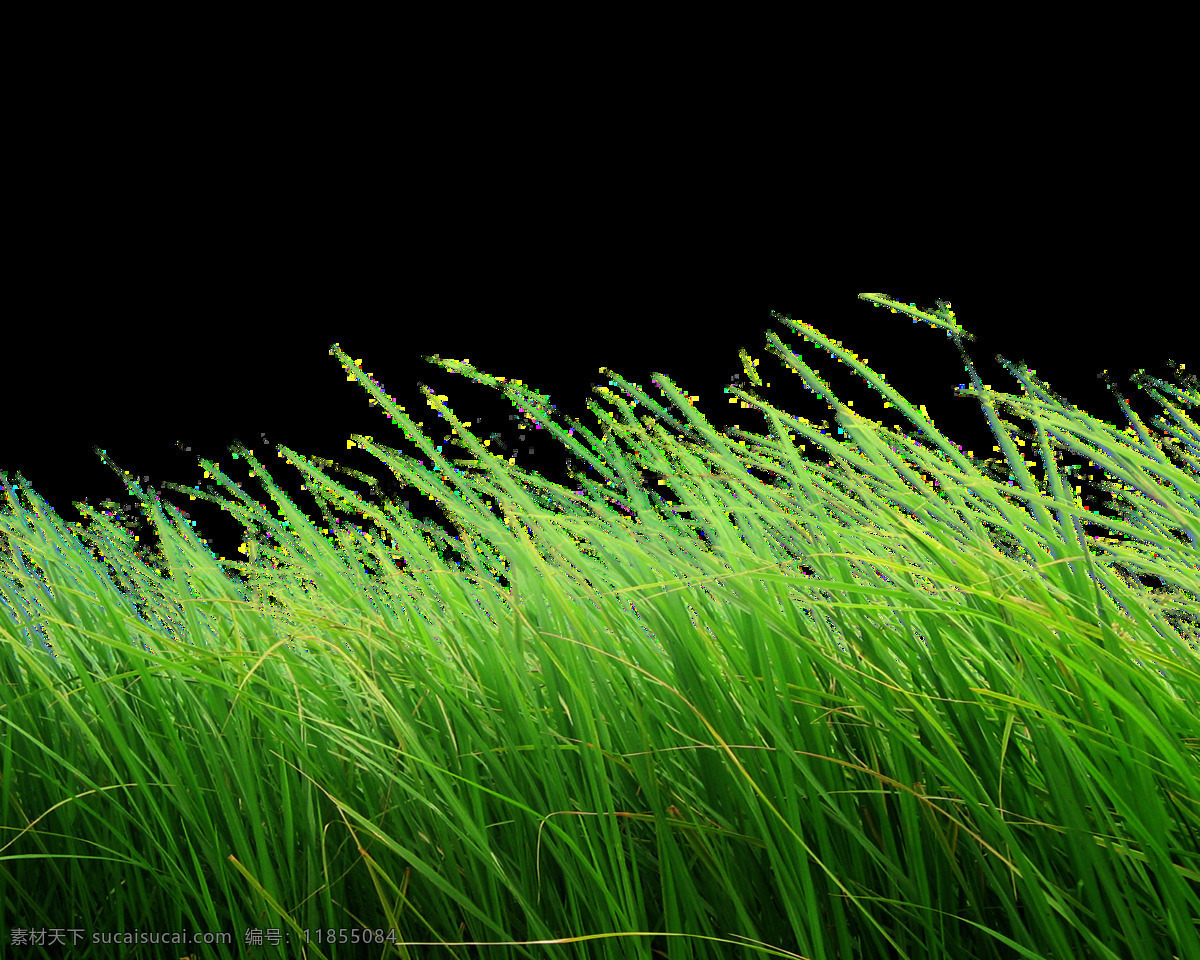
899 705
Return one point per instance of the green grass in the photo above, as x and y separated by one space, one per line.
871 717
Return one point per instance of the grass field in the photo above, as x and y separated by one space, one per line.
899 705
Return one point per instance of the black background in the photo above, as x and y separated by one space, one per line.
178 275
